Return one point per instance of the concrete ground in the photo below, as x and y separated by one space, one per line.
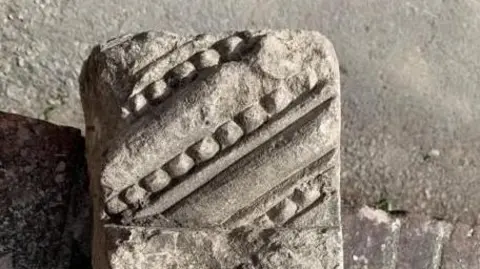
411 100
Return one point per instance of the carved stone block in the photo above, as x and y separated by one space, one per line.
214 151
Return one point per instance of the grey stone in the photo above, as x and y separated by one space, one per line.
370 239
43 205
245 247
421 243
6 261
375 239
463 249
236 165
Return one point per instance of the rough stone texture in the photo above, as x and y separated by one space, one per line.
463 249
375 239
370 239
241 248
421 243
42 205
210 135
6 261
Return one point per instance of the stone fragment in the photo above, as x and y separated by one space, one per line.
370 239
421 243
41 176
236 167
463 248
374 239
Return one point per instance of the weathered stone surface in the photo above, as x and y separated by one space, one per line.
41 210
217 133
6 261
421 243
463 249
245 247
373 239
370 239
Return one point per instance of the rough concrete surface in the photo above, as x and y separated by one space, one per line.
410 76
43 209
214 150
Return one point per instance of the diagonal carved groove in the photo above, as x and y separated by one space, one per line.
160 66
315 100
196 55
200 113
264 168
298 203
269 199
230 132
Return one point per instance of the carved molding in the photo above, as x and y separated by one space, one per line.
217 132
